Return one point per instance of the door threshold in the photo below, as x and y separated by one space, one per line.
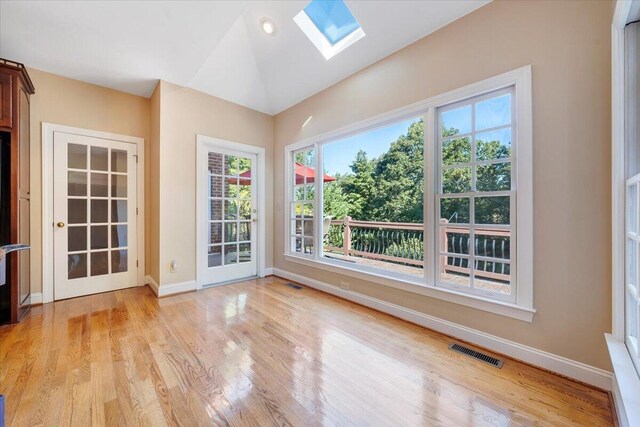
229 282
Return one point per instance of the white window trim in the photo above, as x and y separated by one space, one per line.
626 386
523 307
618 166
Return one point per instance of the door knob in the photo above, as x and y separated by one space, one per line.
60 224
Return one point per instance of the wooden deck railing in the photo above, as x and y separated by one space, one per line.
402 243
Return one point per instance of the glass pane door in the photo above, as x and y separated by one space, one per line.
231 215
97 211
95 215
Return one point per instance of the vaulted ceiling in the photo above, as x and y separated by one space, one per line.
214 47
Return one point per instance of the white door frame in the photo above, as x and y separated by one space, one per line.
204 142
48 130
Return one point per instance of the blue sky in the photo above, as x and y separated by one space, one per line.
333 19
489 113
340 154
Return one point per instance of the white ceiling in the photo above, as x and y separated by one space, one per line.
214 47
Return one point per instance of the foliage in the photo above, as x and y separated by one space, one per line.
358 187
336 203
410 247
387 188
390 187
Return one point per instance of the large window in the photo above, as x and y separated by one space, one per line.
475 142
373 198
424 197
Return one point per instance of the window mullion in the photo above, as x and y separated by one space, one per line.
472 200
431 201
288 199
318 211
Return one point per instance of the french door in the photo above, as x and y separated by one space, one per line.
94 205
228 248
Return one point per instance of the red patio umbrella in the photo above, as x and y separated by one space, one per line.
301 171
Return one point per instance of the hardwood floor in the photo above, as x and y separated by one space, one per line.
261 353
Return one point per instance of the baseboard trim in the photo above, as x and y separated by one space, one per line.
148 280
561 365
36 298
170 289
268 271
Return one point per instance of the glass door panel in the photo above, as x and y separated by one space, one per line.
230 212
231 215
94 207
92 227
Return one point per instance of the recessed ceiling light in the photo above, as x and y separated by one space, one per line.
268 26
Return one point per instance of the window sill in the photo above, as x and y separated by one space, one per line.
627 395
418 287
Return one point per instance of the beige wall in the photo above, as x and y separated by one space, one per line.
70 102
568 46
168 122
185 113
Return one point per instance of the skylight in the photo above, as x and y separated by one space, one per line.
329 25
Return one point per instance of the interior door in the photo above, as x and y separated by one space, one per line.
230 243
95 236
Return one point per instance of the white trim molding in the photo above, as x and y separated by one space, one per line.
474 301
148 280
48 131
36 298
618 165
561 365
201 142
170 289
176 288
626 383
520 303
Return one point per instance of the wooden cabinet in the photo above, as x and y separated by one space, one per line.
5 100
15 187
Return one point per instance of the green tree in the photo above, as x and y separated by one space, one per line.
358 186
391 187
398 179
335 201
492 177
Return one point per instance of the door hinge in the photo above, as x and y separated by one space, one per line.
136 211
136 263
136 156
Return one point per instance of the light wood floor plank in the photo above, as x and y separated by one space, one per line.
260 353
